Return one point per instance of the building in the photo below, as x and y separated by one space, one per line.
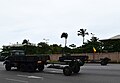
112 44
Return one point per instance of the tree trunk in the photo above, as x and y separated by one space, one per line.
83 40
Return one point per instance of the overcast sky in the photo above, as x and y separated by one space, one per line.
39 19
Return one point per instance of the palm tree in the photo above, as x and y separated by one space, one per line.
83 32
65 35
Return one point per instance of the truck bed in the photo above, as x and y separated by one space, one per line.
29 58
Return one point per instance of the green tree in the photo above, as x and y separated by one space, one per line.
30 49
56 49
110 45
72 45
73 48
43 48
26 42
93 42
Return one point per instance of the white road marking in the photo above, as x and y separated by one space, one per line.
15 80
34 77
23 76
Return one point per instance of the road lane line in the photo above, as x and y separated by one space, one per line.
36 77
22 76
15 80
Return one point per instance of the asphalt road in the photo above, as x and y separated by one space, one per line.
90 73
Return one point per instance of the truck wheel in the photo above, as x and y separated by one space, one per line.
75 66
8 67
30 68
76 69
40 67
23 67
103 63
18 68
67 71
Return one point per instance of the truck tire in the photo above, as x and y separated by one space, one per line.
18 68
30 68
23 67
67 71
75 66
8 67
103 63
41 67
76 69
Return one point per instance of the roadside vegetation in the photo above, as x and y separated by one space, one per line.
45 48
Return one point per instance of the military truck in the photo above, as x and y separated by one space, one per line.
17 58
31 63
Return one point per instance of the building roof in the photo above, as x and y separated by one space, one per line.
117 37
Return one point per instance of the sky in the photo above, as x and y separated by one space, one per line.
36 20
